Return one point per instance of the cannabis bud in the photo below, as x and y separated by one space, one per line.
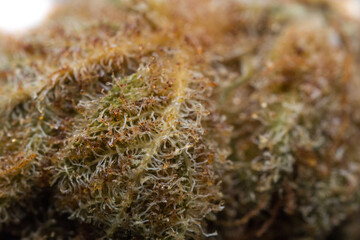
140 159
291 103
187 119
126 135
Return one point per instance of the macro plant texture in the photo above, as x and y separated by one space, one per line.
290 98
185 119
141 160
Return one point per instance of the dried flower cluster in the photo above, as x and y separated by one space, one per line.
294 146
181 120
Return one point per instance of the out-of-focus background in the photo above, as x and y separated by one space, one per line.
18 16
